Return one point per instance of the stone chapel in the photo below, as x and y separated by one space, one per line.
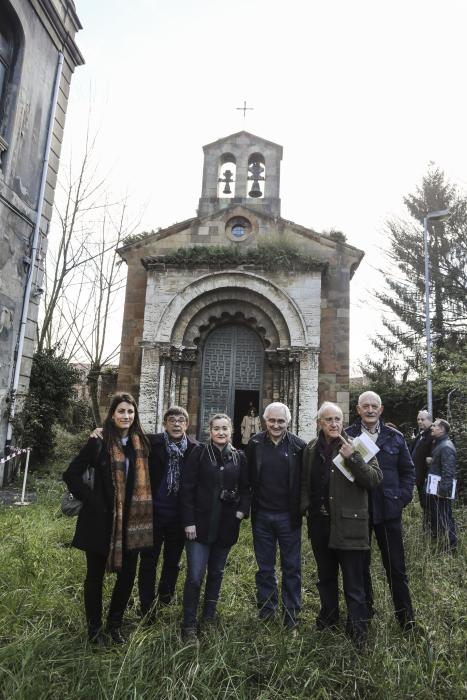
237 307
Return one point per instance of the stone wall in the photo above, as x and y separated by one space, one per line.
41 30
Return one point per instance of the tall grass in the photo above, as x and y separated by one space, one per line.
44 653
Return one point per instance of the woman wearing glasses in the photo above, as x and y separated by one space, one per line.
337 510
215 497
169 451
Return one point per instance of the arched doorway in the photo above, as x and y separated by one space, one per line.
232 375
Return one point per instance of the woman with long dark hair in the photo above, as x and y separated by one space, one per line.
214 497
116 519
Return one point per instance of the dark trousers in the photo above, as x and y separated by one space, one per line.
269 530
171 538
389 537
199 558
442 525
423 499
93 584
352 565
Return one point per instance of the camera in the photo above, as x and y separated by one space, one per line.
229 496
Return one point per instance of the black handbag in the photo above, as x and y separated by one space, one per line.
71 506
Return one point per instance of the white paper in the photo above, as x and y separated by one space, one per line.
363 444
432 485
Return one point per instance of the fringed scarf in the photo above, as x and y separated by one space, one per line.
138 533
176 453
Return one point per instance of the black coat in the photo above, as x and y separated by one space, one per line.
199 496
94 525
395 492
159 459
254 453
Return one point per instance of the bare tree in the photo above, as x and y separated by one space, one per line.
79 195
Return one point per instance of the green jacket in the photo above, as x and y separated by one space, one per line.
348 500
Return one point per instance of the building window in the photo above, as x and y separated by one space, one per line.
10 40
238 228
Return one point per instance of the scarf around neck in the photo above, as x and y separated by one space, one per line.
139 517
176 452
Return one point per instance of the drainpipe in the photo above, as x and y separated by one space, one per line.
34 247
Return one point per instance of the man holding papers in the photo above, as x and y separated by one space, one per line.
441 486
333 495
387 502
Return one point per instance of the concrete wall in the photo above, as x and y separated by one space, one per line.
42 29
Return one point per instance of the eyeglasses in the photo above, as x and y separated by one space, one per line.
176 421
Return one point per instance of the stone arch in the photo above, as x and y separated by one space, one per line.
255 311
232 286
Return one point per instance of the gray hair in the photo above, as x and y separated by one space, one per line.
373 395
425 414
278 404
444 424
329 405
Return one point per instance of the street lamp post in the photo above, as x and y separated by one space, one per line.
440 215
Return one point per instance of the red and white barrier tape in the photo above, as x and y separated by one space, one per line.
18 451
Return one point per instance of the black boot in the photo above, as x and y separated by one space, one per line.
114 628
95 635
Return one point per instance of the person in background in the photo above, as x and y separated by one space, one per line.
169 452
337 511
443 464
386 504
214 498
251 425
116 520
420 450
274 460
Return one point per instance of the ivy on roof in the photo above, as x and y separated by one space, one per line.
269 256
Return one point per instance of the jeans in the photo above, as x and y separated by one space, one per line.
442 525
172 538
269 530
351 563
389 537
199 558
93 584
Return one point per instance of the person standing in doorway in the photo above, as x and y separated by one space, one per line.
251 425
387 502
274 459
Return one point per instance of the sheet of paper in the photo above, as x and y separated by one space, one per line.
432 486
363 444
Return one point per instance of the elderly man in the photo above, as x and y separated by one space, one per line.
274 459
420 449
443 464
337 509
387 502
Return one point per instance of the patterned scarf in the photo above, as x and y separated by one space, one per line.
176 453
138 532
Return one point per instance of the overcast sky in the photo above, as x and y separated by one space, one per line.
362 95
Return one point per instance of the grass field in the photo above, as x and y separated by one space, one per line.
44 653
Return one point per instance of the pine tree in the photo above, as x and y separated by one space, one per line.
402 347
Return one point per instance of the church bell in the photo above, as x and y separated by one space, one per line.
255 190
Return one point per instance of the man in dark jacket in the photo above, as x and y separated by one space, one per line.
386 503
443 465
169 451
420 449
337 509
274 459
